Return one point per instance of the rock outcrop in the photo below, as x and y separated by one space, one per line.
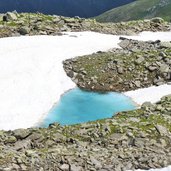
137 65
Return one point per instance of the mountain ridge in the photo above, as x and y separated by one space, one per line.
140 9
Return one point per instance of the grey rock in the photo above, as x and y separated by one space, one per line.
152 68
140 60
30 153
137 83
120 70
147 104
10 16
24 144
11 139
36 136
124 43
24 30
69 20
162 54
76 168
158 81
157 20
1 17
162 130
96 163
70 74
86 24
164 68
134 119
21 133
139 142
65 167
165 44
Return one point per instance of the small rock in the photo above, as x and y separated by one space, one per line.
137 83
65 167
120 70
96 163
139 60
147 105
11 139
152 68
134 119
29 153
75 168
162 54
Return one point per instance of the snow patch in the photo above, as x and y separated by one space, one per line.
152 94
32 78
161 169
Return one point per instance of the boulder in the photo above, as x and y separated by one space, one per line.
124 44
165 44
164 68
24 30
9 16
21 133
161 129
157 20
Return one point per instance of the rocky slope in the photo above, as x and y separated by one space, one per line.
138 64
135 139
82 8
140 9
129 140
14 24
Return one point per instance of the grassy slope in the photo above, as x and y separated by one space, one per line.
139 9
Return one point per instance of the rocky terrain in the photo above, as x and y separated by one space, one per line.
138 64
15 24
130 140
138 139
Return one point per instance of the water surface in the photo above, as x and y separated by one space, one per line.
78 106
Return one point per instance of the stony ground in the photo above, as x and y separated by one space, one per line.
14 24
129 140
134 139
138 64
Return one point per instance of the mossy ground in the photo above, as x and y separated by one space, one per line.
104 68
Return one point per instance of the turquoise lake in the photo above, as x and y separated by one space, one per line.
78 106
